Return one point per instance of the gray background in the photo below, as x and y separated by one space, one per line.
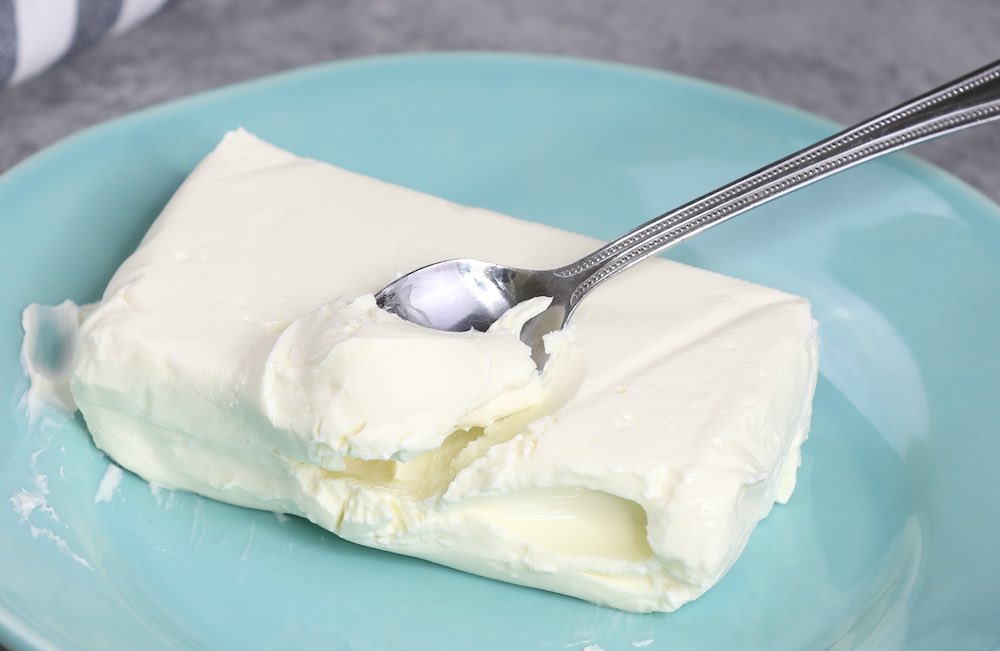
842 59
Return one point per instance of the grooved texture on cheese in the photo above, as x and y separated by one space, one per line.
228 354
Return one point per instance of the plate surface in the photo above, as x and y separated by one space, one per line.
889 541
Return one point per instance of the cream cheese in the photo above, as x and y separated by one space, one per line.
238 353
353 379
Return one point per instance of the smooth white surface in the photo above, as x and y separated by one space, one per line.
680 418
44 34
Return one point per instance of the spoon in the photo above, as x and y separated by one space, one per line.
464 294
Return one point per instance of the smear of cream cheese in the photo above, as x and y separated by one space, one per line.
50 335
108 484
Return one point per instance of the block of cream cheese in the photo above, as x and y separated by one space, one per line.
238 353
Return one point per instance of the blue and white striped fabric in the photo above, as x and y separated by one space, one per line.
35 34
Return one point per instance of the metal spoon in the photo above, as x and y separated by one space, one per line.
461 294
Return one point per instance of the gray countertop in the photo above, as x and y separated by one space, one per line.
844 60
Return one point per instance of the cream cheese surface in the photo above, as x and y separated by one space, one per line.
238 353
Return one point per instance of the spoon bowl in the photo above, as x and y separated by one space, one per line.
466 294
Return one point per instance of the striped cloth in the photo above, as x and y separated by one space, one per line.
35 34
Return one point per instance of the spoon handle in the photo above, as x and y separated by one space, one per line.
964 102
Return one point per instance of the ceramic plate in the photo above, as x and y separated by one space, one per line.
889 541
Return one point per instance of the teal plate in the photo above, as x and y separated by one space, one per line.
889 541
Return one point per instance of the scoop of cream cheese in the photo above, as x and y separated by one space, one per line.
353 379
238 353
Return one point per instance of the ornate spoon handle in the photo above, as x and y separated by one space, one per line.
970 100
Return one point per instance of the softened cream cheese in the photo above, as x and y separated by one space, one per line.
238 353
